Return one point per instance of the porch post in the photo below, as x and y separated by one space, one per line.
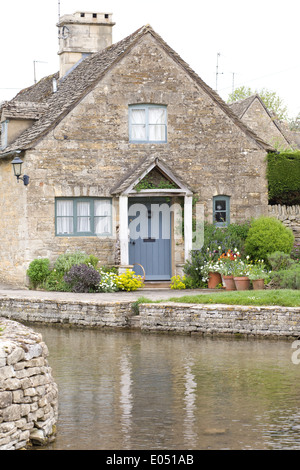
188 228
123 230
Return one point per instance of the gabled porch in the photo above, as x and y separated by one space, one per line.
155 209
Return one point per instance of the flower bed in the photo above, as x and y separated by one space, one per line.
79 272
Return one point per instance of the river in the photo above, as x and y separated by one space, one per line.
131 390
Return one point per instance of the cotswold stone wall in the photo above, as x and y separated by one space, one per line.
167 317
289 215
28 393
221 319
77 313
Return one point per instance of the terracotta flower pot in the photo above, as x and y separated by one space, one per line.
242 283
229 283
214 279
258 284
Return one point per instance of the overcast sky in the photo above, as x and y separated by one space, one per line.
255 44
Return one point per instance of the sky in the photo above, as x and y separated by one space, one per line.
253 44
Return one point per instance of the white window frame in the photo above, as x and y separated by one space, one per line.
76 219
146 123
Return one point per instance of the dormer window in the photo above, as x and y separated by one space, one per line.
148 123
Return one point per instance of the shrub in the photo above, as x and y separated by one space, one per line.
222 239
286 279
280 261
267 235
55 282
284 178
65 261
91 260
38 271
129 281
82 278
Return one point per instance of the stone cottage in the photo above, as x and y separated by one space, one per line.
118 147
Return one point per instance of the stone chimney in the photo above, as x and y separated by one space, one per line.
81 34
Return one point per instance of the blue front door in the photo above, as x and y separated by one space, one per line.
150 237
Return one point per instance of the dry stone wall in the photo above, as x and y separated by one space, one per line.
275 321
271 321
289 216
73 312
28 393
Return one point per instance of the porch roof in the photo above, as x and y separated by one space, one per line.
136 174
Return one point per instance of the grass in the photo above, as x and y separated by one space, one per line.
282 297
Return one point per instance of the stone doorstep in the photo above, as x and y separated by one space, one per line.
156 285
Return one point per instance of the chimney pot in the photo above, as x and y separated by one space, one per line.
81 34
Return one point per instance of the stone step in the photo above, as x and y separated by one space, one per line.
157 284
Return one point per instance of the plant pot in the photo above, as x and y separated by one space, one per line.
258 284
214 279
229 283
242 283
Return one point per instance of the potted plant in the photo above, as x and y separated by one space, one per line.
211 273
227 276
257 275
241 271
227 261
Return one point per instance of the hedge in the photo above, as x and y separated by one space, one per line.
283 173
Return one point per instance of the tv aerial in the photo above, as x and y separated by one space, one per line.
64 32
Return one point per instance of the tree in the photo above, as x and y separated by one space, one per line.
271 100
294 123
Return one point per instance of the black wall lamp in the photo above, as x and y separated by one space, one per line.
17 166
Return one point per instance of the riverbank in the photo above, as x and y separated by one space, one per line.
120 310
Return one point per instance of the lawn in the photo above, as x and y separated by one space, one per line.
283 297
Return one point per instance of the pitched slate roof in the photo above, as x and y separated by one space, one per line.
39 92
241 106
73 87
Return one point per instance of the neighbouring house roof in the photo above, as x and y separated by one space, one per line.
74 86
31 101
39 92
241 107
23 110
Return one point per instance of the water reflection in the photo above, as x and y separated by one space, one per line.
126 390
190 435
126 399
